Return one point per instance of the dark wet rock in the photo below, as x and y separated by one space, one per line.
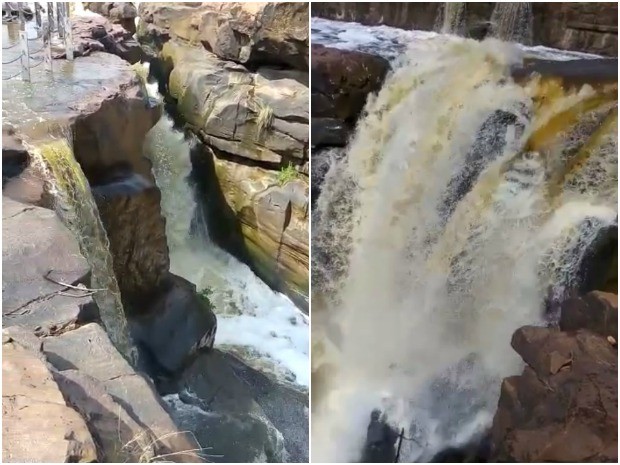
253 34
342 80
220 408
381 438
36 237
14 154
475 451
596 311
178 324
564 406
123 13
98 34
286 408
573 73
329 132
89 350
37 425
322 161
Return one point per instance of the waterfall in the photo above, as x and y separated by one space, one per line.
451 18
464 198
261 326
77 208
513 22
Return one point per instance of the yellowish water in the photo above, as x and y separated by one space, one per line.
417 308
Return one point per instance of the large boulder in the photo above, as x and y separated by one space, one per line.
254 34
123 13
261 116
37 424
564 406
241 414
341 82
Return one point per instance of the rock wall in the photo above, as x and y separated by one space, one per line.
564 406
582 26
237 74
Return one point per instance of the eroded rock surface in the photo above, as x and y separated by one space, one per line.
254 34
93 34
36 244
564 406
254 124
123 13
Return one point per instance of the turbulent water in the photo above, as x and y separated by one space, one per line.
464 200
77 208
262 326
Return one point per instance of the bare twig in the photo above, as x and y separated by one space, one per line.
77 288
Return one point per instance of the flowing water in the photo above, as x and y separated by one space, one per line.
513 22
464 200
451 18
77 209
263 327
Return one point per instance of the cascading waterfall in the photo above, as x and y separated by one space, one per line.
463 199
513 22
262 326
451 18
77 209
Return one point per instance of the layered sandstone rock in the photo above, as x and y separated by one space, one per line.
254 34
261 116
228 68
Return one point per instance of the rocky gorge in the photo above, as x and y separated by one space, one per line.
422 165
101 334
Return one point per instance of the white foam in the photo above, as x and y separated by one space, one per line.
264 327
391 42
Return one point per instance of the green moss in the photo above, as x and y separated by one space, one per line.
287 174
205 295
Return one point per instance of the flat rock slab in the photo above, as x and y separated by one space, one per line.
89 350
119 436
76 87
37 425
35 242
